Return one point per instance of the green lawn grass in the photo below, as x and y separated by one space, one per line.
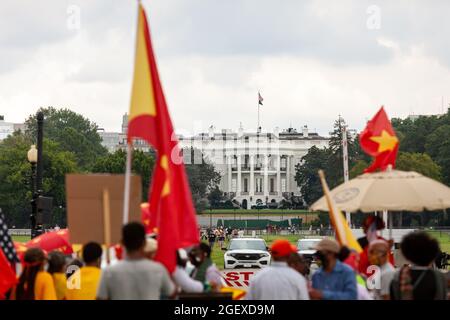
20 238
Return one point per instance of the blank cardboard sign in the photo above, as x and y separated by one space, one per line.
84 194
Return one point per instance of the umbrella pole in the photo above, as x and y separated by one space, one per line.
390 219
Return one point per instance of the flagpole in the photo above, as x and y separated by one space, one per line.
257 129
345 163
126 195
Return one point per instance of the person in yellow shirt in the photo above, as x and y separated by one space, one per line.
34 282
82 285
56 267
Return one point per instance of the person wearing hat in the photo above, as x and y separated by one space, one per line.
334 280
278 281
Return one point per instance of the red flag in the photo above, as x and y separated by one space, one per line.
170 202
380 141
7 276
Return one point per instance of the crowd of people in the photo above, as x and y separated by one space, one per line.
345 274
337 273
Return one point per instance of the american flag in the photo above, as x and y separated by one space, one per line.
6 243
260 99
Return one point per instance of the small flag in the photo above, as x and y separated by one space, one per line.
344 234
7 276
260 99
379 141
6 243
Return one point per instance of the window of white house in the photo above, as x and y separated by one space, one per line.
283 184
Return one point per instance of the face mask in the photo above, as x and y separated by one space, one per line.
323 259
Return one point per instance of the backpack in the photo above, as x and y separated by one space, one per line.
396 285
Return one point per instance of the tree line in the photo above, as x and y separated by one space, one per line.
424 148
72 145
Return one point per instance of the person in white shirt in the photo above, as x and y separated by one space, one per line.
278 281
378 255
181 276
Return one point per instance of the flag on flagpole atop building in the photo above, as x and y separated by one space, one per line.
171 210
260 99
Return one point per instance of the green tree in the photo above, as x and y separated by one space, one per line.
142 164
306 174
203 178
15 173
438 147
419 162
72 132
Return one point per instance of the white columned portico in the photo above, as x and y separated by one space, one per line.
252 176
266 176
230 186
288 173
278 175
239 175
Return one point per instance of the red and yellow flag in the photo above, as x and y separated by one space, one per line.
171 210
379 141
344 234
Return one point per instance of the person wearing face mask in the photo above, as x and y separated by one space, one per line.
205 270
334 280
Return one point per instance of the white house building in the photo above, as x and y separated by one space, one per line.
256 167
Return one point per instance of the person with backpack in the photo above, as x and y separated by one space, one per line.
420 280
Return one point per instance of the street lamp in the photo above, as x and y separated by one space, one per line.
32 156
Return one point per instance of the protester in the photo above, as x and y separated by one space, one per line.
378 256
419 281
205 270
211 238
278 281
181 277
297 262
56 267
221 238
370 227
351 258
135 277
34 282
151 246
334 280
73 266
86 279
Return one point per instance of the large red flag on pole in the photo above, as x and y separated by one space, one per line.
170 203
379 141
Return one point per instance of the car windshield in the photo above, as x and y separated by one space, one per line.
307 245
247 244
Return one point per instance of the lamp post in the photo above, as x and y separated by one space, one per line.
32 156
35 158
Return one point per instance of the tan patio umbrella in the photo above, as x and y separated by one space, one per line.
391 190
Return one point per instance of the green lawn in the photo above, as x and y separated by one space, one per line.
21 238
443 238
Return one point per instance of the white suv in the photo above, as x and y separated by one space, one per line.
306 247
246 253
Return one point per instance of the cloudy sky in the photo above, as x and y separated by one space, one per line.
311 60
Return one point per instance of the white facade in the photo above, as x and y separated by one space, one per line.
8 128
255 167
